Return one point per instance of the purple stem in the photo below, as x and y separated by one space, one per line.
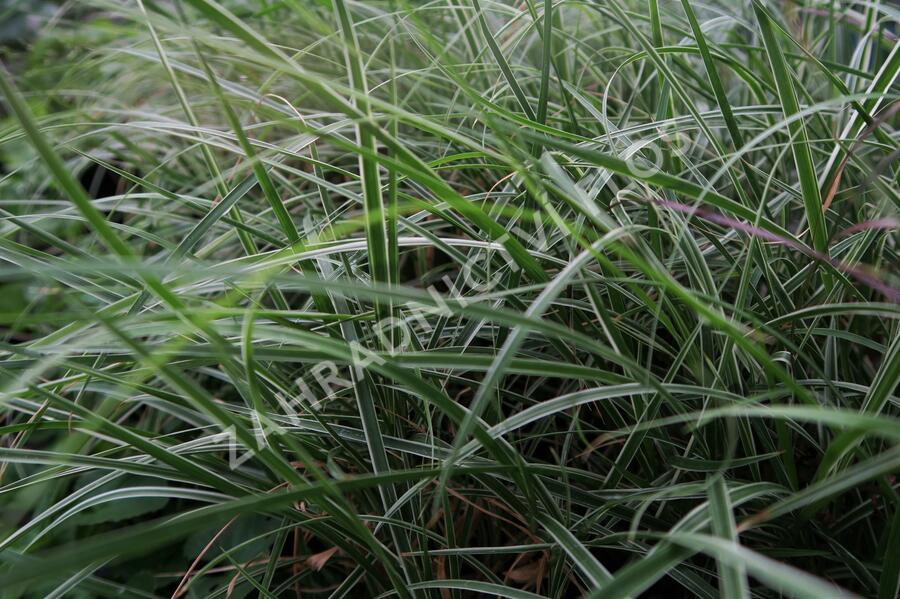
858 272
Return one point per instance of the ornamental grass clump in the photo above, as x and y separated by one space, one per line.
449 299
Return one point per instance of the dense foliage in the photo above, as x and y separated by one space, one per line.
449 299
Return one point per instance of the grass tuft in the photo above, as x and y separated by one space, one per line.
449 299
